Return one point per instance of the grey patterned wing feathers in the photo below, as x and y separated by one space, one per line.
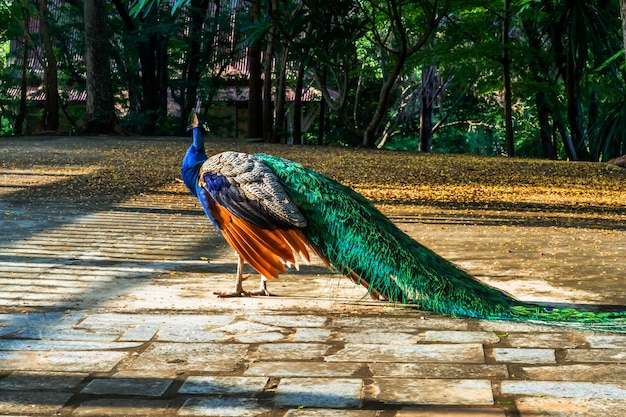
256 183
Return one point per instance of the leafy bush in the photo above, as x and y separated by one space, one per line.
5 127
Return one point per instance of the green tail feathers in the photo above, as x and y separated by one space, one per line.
355 237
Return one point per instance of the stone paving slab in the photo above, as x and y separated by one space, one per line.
578 372
34 381
435 391
145 387
331 413
222 407
319 392
450 412
467 353
108 310
61 361
523 355
569 407
439 370
214 357
303 369
32 402
565 389
123 407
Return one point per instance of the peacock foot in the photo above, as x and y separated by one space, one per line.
232 294
240 292
260 291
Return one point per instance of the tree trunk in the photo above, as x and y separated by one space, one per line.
427 110
279 116
100 112
51 83
622 4
383 101
151 104
357 95
268 66
255 100
162 74
323 104
297 106
574 115
506 69
435 12
192 73
150 101
545 129
568 145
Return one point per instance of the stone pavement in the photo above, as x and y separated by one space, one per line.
109 311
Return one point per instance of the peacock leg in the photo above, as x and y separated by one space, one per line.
239 291
262 289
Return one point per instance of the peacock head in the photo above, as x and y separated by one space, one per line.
194 123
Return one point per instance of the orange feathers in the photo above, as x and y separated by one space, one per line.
267 251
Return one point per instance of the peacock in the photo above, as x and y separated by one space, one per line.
275 212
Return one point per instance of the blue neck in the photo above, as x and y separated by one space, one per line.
193 160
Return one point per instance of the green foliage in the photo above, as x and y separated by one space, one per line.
4 53
5 127
609 132
353 43
5 20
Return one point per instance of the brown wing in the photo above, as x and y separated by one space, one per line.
265 250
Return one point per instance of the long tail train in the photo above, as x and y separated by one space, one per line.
360 242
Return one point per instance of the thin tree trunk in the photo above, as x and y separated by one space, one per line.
198 9
545 129
400 56
357 96
255 100
568 144
383 100
506 69
297 106
574 116
153 59
162 74
622 4
429 92
21 115
268 65
279 116
323 105
51 83
150 101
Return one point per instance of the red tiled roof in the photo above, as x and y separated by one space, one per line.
38 94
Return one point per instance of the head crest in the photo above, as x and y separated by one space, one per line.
193 121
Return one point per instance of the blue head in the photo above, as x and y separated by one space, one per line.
195 155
